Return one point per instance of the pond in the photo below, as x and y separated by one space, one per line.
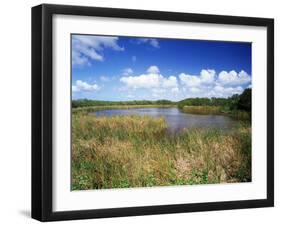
175 118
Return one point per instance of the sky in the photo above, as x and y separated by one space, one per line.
132 68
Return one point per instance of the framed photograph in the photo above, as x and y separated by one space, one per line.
145 112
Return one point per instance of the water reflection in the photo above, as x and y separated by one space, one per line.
176 119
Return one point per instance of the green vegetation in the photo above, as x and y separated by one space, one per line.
215 110
90 103
95 108
245 100
237 106
136 151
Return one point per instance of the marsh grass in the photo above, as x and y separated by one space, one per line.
136 151
217 110
202 109
106 107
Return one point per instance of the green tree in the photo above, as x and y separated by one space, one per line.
245 100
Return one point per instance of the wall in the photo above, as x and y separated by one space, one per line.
15 113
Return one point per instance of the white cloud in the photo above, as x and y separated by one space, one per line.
194 90
153 70
127 71
170 82
220 91
206 77
154 43
206 84
142 81
151 41
158 92
79 59
175 90
209 84
84 86
233 78
155 84
153 79
86 48
189 80
130 96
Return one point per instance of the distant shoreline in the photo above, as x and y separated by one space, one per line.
108 107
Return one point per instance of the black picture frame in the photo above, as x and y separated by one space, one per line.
42 111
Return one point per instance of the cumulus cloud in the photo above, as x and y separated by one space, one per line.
86 48
175 90
195 90
206 84
127 71
151 41
220 91
153 79
206 77
84 86
233 78
153 70
153 82
141 81
189 80
170 82
209 84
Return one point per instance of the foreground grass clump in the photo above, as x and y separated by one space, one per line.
136 151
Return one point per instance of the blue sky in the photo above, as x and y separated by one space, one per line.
130 68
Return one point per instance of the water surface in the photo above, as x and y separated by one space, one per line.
176 119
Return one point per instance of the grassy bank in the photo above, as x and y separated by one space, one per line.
90 103
217 110
136 151
204 110
105 107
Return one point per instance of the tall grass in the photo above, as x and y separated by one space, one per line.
136 151
202 109
105 107
217 110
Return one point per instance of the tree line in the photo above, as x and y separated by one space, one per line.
89 103
235 102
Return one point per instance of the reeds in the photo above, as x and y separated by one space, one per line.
105 107
202 109
217 110
136 151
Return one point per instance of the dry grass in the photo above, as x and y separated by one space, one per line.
95 108
216 110
202 109
136 151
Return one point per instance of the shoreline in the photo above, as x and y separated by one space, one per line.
198 110
111 107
